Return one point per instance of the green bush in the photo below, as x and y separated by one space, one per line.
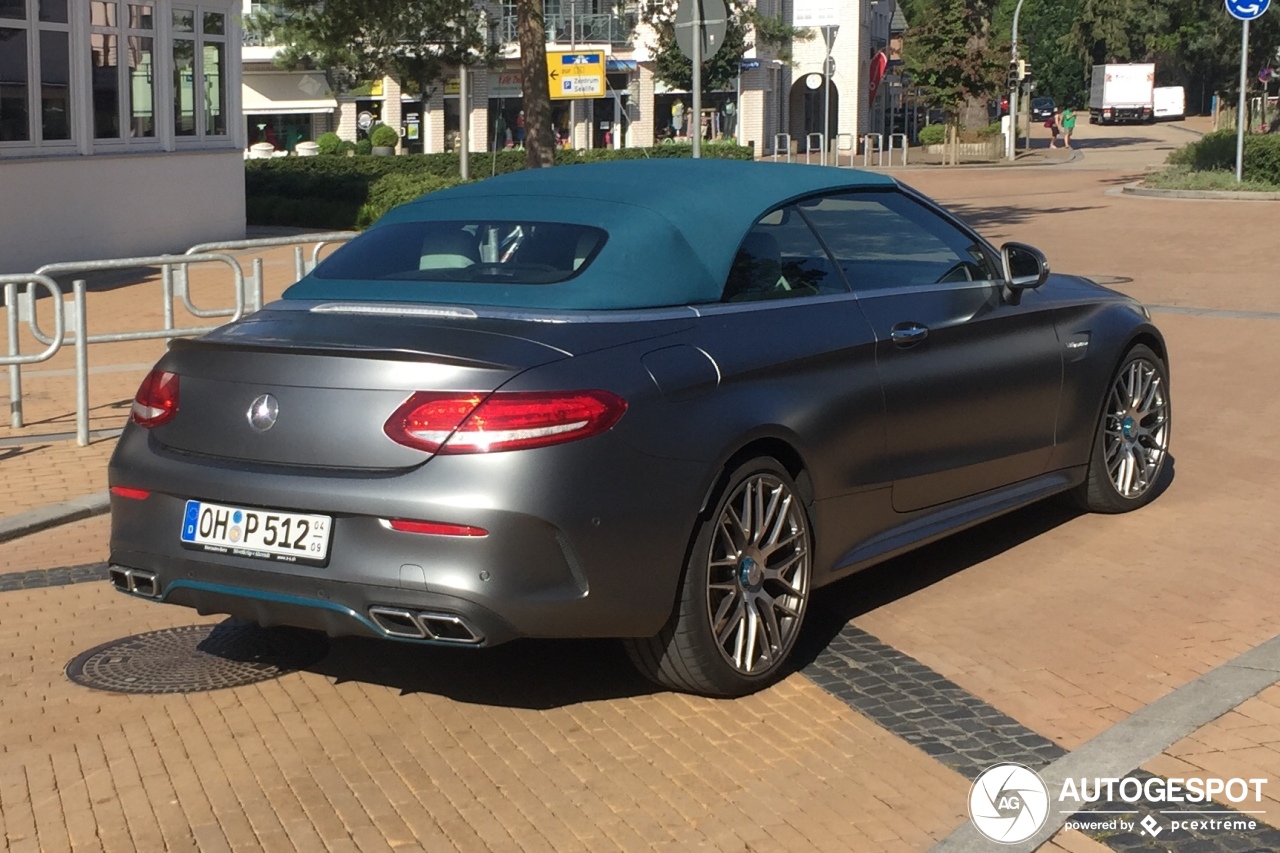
384 136
1262 158
362 147
933 134
330 143
338 192
1217 152
398 188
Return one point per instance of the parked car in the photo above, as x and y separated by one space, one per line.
659 400
1042 108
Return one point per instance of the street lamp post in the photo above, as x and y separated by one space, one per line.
1010 140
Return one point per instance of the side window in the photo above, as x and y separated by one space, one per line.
885 239
780 258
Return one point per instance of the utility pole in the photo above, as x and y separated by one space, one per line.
1010 141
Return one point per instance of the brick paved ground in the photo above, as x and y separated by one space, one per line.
1066 623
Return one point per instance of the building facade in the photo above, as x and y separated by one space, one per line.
769 97
119 128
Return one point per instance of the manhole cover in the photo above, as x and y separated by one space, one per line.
196 658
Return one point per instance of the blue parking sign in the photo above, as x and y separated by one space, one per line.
1247 10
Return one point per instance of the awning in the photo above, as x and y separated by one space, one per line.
612 65
286 92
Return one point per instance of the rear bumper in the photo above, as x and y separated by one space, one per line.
584 540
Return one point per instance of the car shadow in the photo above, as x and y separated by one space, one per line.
981 217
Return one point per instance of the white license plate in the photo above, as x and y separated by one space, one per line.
264 534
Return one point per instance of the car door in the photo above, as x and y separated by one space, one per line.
971 377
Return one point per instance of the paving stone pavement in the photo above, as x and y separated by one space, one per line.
1046 626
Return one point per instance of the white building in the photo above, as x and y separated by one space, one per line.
119 129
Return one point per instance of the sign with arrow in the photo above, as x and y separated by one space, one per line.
1247 10
579 74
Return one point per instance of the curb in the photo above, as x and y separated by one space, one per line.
35 520
1137 189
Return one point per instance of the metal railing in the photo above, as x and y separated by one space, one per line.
866 149
820 145
13 357
70 316
894 140
781 141
845 142
616 27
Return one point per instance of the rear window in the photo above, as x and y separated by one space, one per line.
485 252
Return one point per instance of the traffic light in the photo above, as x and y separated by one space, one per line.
1014 75
1022 69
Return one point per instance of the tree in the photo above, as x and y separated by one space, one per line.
955 56
539 141
351 40
720 71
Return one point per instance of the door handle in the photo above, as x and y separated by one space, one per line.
908 334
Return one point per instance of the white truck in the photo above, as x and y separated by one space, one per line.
1122 93
1170 103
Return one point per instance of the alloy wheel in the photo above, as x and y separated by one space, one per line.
1136 430
758 574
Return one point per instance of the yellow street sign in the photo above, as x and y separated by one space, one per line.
576 75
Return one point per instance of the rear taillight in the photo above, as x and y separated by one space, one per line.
518 420
157 400
435 528
130 493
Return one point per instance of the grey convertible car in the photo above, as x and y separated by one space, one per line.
660 400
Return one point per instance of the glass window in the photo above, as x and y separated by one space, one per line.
55 85
105 67
141 17
486 253
184 21
781 258
885 239
184 87
215 24
142 116
13 9
53 11
15 125
215 96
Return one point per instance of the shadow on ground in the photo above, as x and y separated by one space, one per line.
983 217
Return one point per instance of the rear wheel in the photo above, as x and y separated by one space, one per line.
745 589
1132 441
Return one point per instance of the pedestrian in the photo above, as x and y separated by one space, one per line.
1052 123
520 129
1068 125
677 118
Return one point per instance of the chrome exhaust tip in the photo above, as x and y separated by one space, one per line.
397 623
449 628
134 581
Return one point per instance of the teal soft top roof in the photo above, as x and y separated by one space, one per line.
674 226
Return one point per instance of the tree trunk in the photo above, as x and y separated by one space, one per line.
539 141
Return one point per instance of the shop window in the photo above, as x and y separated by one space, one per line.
122 69
35 73
199 73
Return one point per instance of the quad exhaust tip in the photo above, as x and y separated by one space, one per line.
134 581
426 625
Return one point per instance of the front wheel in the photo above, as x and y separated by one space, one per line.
1131 445
745 589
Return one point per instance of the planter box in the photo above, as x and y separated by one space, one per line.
992 148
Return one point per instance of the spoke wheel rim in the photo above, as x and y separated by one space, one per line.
1136 429
758 575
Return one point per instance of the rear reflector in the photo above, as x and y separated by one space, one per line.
157 400
517 420
131 494
435 528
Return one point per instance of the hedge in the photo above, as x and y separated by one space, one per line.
1217 151
352 192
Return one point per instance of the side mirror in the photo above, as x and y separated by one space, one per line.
1025 266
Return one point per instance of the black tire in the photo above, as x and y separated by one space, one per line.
730 582
1131 442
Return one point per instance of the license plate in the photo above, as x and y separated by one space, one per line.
264 534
